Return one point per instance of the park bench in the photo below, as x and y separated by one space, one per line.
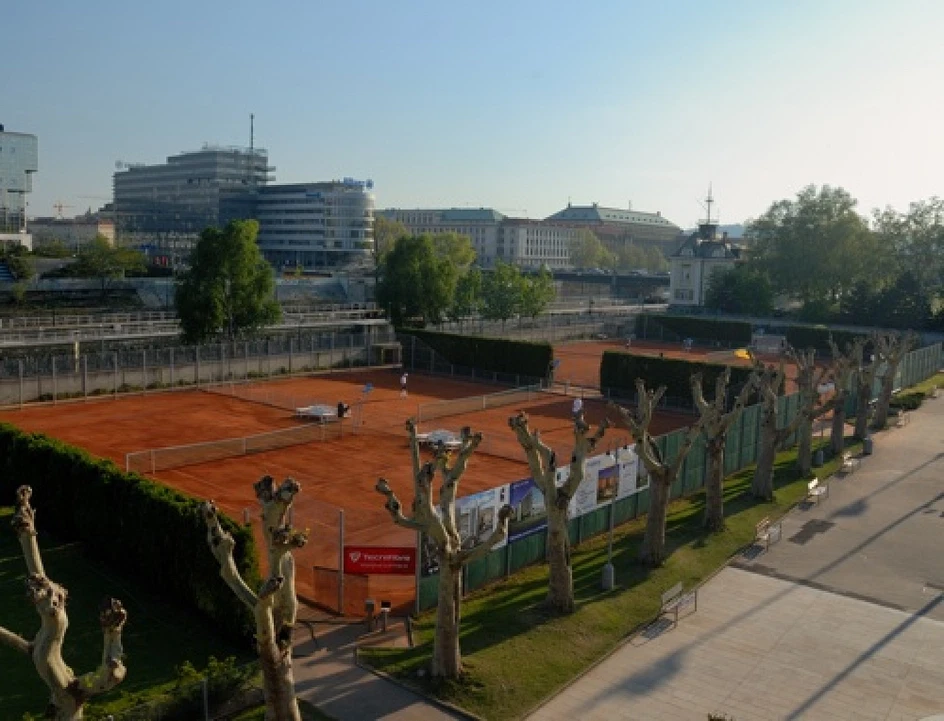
816 490
675 598
849 463
765 531
903 418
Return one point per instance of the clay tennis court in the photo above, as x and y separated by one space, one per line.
338 473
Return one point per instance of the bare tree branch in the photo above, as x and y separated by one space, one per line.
222 545
395 507
14 641
498 535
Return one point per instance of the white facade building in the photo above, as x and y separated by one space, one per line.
482 225
535 243
74 234
316 225
694 262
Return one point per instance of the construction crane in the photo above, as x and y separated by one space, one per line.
58 207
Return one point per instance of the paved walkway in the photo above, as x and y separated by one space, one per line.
843 619
326 676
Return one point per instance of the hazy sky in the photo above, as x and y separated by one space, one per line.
514 105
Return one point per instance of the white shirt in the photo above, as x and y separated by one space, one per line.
578 405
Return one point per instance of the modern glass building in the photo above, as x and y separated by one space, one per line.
190 191
19 159
316 225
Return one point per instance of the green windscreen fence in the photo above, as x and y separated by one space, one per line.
740 452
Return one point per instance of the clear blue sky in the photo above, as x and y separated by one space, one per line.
513 105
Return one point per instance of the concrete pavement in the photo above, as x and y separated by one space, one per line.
842 619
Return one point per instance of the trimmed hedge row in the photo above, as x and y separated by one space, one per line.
498 355
619 371
140 528
697 327
803 337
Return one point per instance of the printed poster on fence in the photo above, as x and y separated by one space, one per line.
477 516
528 509
603 479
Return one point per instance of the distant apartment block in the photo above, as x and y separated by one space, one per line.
19 159
316 225
619 226
73 234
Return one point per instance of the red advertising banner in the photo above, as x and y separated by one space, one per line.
380 559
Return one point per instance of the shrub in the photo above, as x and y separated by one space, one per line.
496 355
907 401
140 528
699 328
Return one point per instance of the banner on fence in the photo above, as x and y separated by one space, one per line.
528 509
390 560
477 516
604 477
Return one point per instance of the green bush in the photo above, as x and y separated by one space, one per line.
619 371
142 529
496 355
804 337
907 401
699 328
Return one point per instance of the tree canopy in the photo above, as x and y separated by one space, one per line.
105 262
416 282
815 247
502 290
741 289
586 251
229 289
386 233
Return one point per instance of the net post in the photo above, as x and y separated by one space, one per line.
127 463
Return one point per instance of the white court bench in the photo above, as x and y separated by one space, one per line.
849 463
816 491
765 532
904 417
675 598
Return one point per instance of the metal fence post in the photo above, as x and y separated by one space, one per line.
291 353
172 366
114 358
196 350
20 369
341 561
85 377
144 377
246 360
55 386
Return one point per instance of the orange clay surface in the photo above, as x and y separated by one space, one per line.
335 474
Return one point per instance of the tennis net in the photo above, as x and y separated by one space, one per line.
459 406
162 459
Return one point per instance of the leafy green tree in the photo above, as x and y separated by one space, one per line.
741 289
537 292
502 292
815 247
860 305
18 261
53 249
468 296
904 304
586 250
655 260
386 233
630 257
456 248
415 282
229 288
100 260
916 240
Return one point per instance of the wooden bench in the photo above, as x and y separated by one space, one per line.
675 598
849 463
903 419
816 490
765 531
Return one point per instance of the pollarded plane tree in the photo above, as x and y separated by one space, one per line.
542 462
715 422
843 367
891 349
809 379
865 378
439 524
769 381
68 693
275 605
662 472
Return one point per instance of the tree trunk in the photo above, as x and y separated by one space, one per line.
881 405
560 594
805 444
837 437
447 659
762 484
714 486
862 409
652 553
278 682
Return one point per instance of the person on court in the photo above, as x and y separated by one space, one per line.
403 393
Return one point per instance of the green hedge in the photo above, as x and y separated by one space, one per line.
619 371
804 337
696 327
140 528
497 355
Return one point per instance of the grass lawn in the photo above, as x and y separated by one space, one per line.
935 381
516 654
157 638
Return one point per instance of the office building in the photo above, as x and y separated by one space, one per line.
316 225
618 226
482 225
192 190
73 233
532 244
19 159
